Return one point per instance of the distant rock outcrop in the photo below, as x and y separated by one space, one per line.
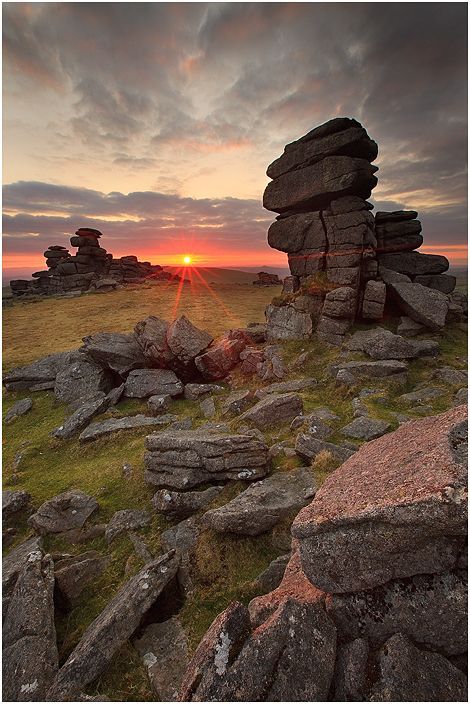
346 265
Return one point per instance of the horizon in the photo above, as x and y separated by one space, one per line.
155 123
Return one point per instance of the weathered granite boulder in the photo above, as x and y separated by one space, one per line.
43 371
287 323
380 343
182 460
14 503
18 409
30 658
264 504
186 342
364 428
194 392
298 233
107 633
408 674
159 404
72 574
151 334
116 351
441 282
142 383
308 445
273 410
63 512
181 504
81 417
125 520
350 678
389 369
13 564
237 402
414 263
422 395
273 574
82 380
451 376
113 425
424 305
220 358
398 505
373 303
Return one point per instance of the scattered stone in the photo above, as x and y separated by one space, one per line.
142 383
383 344
461 397
393 369
274 410
182 460
113 425
179 504
193 392
43 371
78 536
451 376
207 407
398 505
428 393
237 402
308 447
140 548
264 504
183 538
272 576
365 428
115 395
64 512
81 417
283 387
159 404
14 503
72 574
18 409
164 650
125 520
114 625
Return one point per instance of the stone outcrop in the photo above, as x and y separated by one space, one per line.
345 264
66 511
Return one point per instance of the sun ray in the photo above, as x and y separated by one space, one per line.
218 299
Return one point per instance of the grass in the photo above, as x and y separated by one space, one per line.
225 566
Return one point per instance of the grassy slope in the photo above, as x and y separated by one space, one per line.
226 565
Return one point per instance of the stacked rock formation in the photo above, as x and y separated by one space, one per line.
265 279
345 264
92 267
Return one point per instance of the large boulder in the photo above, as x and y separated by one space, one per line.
182 460
287 323
14 503
422 304
260 507
65 511
82 380
110 426
13 564
220 358
300 232
379 343
142 383
112 627
414 263
181 504
115 351
395 509
151 335
186 342
274 409
43 372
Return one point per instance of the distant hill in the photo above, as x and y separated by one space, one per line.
222 276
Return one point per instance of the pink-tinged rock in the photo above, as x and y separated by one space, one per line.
396 508
220 358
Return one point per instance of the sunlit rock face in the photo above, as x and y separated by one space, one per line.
336 247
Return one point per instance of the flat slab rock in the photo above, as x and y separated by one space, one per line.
395 509
63 512
113 425
142 383
274 409
265 503
125 520
18 409
114 625
383 344
185 459
42 371
14 503
365 428
181 504
422 304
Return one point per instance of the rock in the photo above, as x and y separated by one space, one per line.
220 358
365 428
140 548
431 609
72 574
274 410
315 186
164 650
179 504
43 371
391 368
389 276
350 678
251 358
441 282
422 304
272 576
237 402
65 511
18 409
13 504
383 344
461 397
159 404
207 407
151 335
413 263
182 460
125 520
213 426
332 330
81 380
113 425
283 387
115 395
407 674
287 323
308 446
398 505
30 659
142 383
297 233
409 327
451 376
186 342
271 366
374 300
183 538
78 536
13 564
114 625
394 216
264 504
428 393
339 303
115 351
193 392
323 414
81 417
185 424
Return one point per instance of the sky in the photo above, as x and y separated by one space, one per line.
155 122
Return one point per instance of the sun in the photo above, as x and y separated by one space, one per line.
186 259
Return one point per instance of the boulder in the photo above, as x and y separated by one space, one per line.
112 627
193 392
142 383
220 358
309 445
451 376
332 330
186 342
287 323
393 369
151 335
383 344
181 504
183 538
395 509
81 417
350 678
237 402
389 276
413 263
125 520
82 380
72 574
274 409
207 407
364 428
264 504
14 503
182 460
340 303
30 659
409 327
441 282
431 609
298 233
159 404
44 371
424 305
373 303
114 425
165 652
272 576
423 395
13 564
65 511
18 409
282 387
408 674
116 351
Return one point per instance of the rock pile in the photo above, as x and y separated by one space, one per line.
372 605
346 264
265 279
91 268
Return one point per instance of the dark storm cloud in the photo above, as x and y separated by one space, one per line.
220 76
